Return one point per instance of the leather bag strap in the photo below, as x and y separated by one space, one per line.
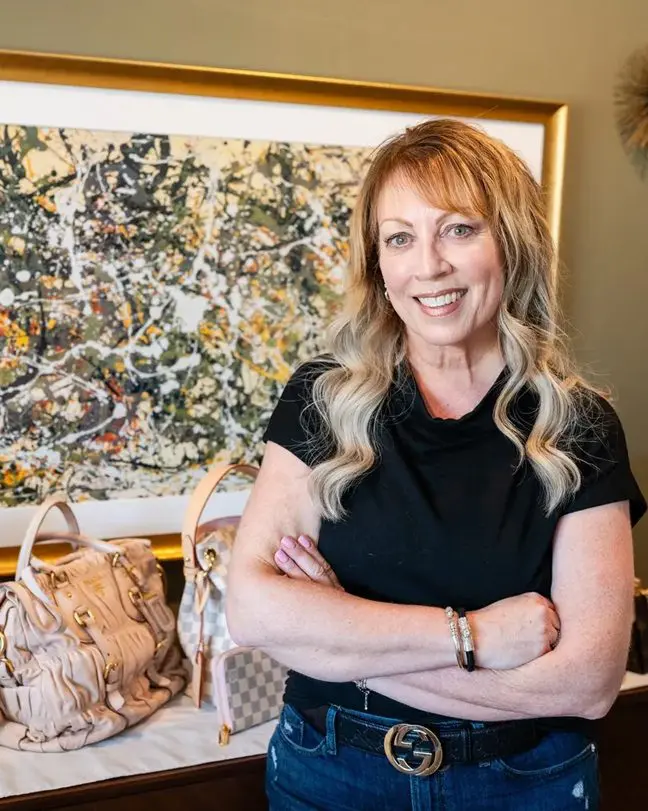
56 501
198 502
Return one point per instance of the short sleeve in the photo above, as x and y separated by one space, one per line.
605 468
295 423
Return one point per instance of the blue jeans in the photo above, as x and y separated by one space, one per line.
311 771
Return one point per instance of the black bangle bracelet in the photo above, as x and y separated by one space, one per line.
466 639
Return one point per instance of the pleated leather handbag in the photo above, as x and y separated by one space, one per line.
88 644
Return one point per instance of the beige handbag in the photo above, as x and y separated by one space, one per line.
87 644
206 550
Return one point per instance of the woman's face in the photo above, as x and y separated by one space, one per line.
442 270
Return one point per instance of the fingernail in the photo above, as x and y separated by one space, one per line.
288 543
304 541
282 557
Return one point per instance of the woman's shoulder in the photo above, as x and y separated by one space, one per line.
295 422
305 373
592 433
594 436
598 446
592 413
598 433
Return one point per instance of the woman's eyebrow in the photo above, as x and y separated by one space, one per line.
397 219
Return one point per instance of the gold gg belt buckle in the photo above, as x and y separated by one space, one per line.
408 737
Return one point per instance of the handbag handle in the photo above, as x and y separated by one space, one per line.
73 535
105 547
198 502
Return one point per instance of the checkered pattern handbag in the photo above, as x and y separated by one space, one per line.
249 687
206 551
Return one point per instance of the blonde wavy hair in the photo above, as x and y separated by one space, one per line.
456 167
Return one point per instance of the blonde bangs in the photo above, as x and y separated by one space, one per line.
448 185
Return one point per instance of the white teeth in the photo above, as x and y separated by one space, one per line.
440 301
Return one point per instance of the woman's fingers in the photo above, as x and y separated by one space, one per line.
555 622
300 557
321 564
288 566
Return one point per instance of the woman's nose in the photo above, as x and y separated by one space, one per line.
433 264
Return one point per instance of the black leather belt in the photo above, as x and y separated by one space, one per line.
421 749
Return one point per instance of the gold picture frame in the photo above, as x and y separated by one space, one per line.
196 81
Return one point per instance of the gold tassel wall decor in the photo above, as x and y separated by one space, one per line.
631 107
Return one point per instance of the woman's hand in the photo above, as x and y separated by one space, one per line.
300 559
514 631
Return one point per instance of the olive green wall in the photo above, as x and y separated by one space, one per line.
568 50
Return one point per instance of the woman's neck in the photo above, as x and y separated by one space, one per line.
453 382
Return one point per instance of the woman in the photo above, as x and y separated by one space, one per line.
444 459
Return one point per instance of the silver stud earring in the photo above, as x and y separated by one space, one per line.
386 293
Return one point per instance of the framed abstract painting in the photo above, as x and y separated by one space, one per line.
172 244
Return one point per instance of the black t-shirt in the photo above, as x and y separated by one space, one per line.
446 516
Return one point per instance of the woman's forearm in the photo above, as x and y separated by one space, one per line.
400 689
556 684
331 635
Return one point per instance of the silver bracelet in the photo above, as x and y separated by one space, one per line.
454 633
467 641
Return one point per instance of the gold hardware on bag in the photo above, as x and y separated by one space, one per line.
58 579
224 735
160 570
639 591
400 736
133 595
118 560
3 659
160 645
110 666
211 558
81 617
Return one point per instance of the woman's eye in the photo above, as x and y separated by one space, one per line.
461 230
397 240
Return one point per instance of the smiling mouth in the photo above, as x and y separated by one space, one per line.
442 300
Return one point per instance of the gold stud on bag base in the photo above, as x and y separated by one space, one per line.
224 735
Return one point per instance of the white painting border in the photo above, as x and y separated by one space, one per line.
90 108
